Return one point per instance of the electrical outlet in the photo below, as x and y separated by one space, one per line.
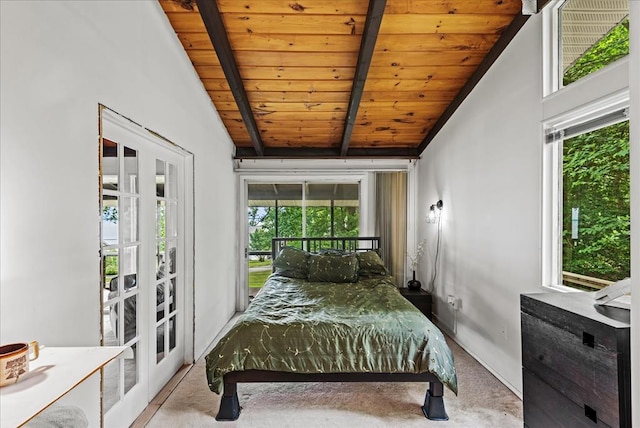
454 302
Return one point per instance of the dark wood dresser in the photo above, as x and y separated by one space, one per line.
576 362
420 299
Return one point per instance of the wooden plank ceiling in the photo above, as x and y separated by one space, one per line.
340 78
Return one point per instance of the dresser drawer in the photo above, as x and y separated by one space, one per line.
572 365
575 360
603 336
545 407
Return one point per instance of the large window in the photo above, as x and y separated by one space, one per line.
288 210
588 35
301 209
586 226
596 206
593 198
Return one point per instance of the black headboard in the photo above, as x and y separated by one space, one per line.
355 243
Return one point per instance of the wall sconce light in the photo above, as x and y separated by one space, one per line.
434 212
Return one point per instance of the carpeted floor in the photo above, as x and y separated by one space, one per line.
483 401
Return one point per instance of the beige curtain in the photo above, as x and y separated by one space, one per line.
391 221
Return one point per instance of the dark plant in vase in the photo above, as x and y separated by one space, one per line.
414 284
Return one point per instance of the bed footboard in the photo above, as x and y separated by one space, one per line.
433 407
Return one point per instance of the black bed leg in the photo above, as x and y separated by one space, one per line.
229 404
433 407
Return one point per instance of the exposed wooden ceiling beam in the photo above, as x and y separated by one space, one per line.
367 45
487 62
327 153
218 35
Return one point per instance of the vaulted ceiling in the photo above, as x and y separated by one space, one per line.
340 78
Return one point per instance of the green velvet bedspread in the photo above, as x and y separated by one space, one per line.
298 326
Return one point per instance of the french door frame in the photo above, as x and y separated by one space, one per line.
187 241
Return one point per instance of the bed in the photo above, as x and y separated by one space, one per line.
330 313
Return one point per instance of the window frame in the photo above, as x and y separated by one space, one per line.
552 48
552 190
267 176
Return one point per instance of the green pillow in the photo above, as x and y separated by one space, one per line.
333 268
332 251
292 262
370 264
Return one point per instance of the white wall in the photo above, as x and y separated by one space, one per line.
486 166
58 61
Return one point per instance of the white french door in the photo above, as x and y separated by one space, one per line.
143 270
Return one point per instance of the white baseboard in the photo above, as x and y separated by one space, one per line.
449 332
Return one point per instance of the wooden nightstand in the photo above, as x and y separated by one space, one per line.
420 299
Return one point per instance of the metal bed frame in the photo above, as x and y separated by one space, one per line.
433 407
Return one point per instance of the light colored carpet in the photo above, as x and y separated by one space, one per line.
483 401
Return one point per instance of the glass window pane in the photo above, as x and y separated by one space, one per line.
131 370
594 34
172 333
129 219
160 178
160 258
110 272
289 220
110 229
110 165
172 295
130 315
160 301
261 221
130 178
171 219
160 219
332 209
596 207
319 220
173 266
160 342
167 261
129 266
275 209
171 184
110 326
346 220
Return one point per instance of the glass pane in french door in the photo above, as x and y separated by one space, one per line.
166 248
120 265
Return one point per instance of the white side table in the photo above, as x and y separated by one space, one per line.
56 372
